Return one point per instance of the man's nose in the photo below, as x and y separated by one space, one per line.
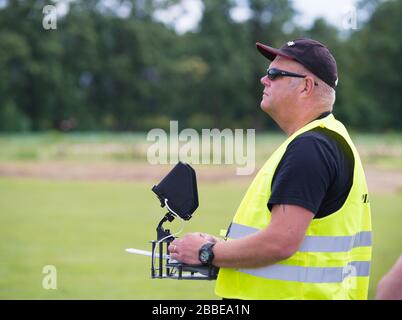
265 81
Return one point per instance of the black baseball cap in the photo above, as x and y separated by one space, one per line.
312 54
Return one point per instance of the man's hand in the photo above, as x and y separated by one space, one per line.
209 237
186 249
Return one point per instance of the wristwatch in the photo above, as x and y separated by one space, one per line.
205 254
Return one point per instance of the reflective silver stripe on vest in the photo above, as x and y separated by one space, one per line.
314 243
311 274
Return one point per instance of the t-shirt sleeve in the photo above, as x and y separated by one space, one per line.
304 174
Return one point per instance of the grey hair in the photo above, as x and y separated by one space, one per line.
323 93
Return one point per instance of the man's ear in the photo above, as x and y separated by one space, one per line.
308 86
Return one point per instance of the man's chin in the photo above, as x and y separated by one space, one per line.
265 107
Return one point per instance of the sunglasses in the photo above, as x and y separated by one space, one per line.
275 73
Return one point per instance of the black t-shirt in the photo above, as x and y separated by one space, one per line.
316 173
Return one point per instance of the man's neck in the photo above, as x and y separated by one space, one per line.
293 126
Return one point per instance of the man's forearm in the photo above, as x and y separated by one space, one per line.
279 241
254 251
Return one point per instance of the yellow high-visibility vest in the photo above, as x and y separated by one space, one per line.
333 261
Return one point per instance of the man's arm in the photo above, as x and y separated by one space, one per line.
390 286
280 240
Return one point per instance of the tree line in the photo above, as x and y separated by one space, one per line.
101 71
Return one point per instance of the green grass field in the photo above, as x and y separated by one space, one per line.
82 228
383 150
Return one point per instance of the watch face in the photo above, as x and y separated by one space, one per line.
204 256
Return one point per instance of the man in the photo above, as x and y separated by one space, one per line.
303 229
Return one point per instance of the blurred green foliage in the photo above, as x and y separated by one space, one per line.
101 71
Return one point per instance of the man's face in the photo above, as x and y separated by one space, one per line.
279 94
